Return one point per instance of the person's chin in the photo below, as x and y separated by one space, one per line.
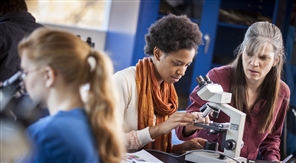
170 82
43 106
38 101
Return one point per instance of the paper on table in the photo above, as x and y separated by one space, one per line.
141 156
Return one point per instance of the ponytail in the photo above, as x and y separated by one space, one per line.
101 109
62 50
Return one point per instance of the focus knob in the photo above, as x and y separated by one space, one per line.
230 144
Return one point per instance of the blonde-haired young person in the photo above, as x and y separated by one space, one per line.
55 65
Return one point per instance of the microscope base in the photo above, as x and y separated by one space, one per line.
206 157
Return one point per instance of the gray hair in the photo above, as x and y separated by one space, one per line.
257 36
260 33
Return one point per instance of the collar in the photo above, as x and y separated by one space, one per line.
16 15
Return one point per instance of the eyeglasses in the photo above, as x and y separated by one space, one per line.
24 74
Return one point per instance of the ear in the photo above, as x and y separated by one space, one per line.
276 60
49 76
157 53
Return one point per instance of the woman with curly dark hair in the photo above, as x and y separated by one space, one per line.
148 100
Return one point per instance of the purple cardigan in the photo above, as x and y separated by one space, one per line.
266 144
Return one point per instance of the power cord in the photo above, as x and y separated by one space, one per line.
199 150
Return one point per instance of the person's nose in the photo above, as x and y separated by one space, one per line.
181 71
254 61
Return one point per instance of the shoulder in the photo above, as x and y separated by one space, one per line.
22 24
39 127
43 132
4 30
56 137
127 75
222 70
56 125
125 82
284 90
219 74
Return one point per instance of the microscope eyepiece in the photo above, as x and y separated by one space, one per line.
200 80
207 79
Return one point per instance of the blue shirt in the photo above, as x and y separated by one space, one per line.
65 137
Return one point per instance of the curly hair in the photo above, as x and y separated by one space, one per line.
172 33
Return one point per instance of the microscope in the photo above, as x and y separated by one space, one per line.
17 112
232 132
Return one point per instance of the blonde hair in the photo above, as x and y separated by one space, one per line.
69 55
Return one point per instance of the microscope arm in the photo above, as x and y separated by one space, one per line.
218 101
236 128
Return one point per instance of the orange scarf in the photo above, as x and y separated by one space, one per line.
154 100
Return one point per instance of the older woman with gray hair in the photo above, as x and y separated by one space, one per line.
254 79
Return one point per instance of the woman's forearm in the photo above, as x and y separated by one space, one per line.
155 131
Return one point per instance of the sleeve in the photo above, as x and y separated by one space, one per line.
270 147
49 147
122 88
5 44
134 139
196 103
1 53
40 143
137 139
2 48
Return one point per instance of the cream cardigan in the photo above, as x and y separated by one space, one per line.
125 81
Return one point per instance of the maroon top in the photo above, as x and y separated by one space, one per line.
267 144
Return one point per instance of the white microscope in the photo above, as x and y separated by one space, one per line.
232 131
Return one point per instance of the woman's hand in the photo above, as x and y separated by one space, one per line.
191 128
192 144
175 120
